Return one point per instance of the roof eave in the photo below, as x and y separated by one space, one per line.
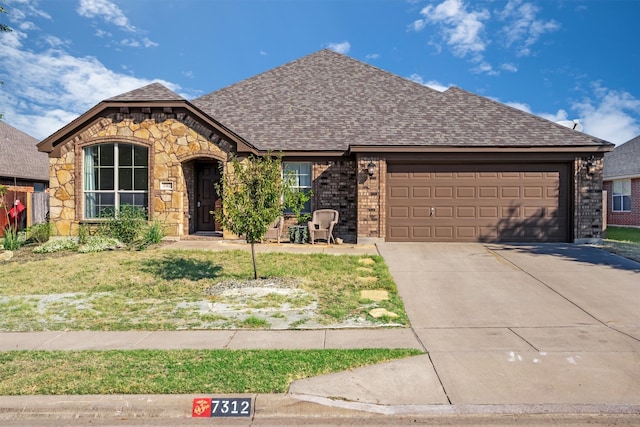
472 149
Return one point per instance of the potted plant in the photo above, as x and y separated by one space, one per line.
295 201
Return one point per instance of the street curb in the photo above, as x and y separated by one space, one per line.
266 407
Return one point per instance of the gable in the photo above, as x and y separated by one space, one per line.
623 161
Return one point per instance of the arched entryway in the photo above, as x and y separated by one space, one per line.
201 198
207 199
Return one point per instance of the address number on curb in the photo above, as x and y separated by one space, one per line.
208 407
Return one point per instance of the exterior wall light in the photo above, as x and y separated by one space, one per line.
371 168
590 166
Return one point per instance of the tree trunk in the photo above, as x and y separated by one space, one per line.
253 258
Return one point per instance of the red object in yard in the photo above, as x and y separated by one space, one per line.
201 407
16 210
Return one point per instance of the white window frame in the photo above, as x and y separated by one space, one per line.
303 179
116 177
621 192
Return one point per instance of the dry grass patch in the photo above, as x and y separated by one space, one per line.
167 290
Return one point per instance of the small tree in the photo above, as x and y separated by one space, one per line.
252 198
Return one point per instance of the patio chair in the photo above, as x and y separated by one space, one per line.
321 225
275 230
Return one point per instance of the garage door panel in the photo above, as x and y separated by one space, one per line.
420 212
466 192
486 202
466 233
399 232
421 192
466 212
443 192
399 192
533 192
488 212
488 192
443 232
421 233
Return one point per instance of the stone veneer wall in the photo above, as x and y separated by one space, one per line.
371 209
171 144
588 201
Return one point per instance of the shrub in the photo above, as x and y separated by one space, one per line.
40 233
100 244
126 226
152 234
57 245
83 234
12 239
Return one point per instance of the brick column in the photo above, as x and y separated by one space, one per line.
371 199
588 200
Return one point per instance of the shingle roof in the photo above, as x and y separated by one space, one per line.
19 157
328 101
624 160
150 92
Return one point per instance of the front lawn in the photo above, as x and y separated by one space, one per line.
174 290
175 372
624 241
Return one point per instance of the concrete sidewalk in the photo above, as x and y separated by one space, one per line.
529 330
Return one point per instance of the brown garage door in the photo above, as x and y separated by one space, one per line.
482 202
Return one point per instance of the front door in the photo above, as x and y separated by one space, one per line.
207 199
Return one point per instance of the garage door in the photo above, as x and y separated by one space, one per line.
482 202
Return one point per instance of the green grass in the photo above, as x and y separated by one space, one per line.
174 372
166 290
623 234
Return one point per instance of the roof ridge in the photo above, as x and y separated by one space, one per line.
154 91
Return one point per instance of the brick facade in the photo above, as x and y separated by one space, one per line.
631 218
587 215
344 184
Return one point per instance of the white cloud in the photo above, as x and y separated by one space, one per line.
462 29
522 27
519 106
611 115
343 47
373 56
467 30
608 114
53 86
106 10
433 84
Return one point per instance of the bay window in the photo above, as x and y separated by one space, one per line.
114 175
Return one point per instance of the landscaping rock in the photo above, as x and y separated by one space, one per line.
375 294
377 313
6 255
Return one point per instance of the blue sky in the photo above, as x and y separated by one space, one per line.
559 59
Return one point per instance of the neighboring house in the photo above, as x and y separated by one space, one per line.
622 183
398 160
24 170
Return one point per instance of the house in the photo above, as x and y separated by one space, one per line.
23 171
398 160
622 184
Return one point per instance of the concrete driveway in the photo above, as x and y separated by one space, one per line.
523 324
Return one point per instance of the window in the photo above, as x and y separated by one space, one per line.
300 174
621 195
114 175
